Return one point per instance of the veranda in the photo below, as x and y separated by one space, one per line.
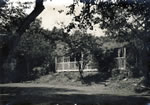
70 64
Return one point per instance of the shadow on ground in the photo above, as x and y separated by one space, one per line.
96 78
44 96
14 95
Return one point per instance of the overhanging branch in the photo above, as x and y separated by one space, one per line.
39 7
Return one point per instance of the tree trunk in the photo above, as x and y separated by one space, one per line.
28 69
145 66
39 7
1 75
2 3
80 70
81 74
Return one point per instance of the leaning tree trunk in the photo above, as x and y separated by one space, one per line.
145 67
39 7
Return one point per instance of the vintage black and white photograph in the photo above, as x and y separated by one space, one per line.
74 52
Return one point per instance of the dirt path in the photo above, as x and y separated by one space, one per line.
71 89
92 89
46 94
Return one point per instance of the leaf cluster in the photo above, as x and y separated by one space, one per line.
122 19
12 16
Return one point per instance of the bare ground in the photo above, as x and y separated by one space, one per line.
63 90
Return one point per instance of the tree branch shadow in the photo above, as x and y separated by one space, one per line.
96 78
27 94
